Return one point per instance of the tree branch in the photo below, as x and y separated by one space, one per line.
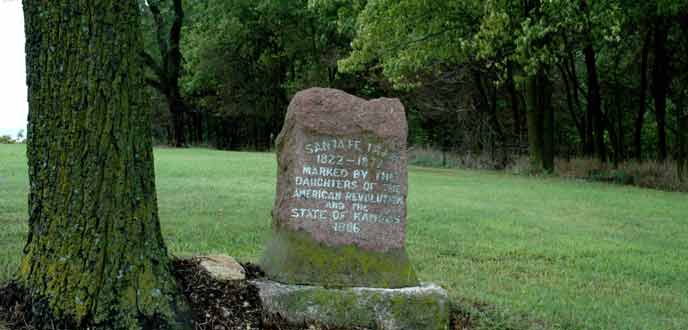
154 7
156 84
151 64
174 53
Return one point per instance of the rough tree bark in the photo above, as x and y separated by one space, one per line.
94 256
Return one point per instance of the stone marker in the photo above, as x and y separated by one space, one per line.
339 216
337 257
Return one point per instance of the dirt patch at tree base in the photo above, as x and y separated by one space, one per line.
216 305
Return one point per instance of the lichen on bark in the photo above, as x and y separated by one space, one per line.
95 255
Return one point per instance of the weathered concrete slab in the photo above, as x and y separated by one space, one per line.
423 307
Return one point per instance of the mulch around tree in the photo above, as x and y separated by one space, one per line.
215 305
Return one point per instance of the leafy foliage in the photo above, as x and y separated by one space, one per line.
474 75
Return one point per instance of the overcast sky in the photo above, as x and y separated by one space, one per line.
13 104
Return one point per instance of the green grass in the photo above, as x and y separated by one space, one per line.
541 252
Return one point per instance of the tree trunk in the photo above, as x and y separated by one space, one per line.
590 130
178 111
580 127
586 124
540 118
640 119
488 105
621 133
595 102
534 121
660 84
545 89
613 123
499 140
515 101
169 70
594 120
682 147
94 255
682 108
198 127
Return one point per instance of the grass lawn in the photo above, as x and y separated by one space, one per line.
540 252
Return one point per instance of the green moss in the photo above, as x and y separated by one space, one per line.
295 258
130 296
80 307
421 310
146 284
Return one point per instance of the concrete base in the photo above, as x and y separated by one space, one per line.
425 307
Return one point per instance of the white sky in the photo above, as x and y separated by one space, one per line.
13 105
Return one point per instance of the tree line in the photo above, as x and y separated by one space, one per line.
603 79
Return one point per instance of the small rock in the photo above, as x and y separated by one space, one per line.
223 268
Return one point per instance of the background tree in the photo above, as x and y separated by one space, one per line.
490 80
94 256
166 67
429 58
246 58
